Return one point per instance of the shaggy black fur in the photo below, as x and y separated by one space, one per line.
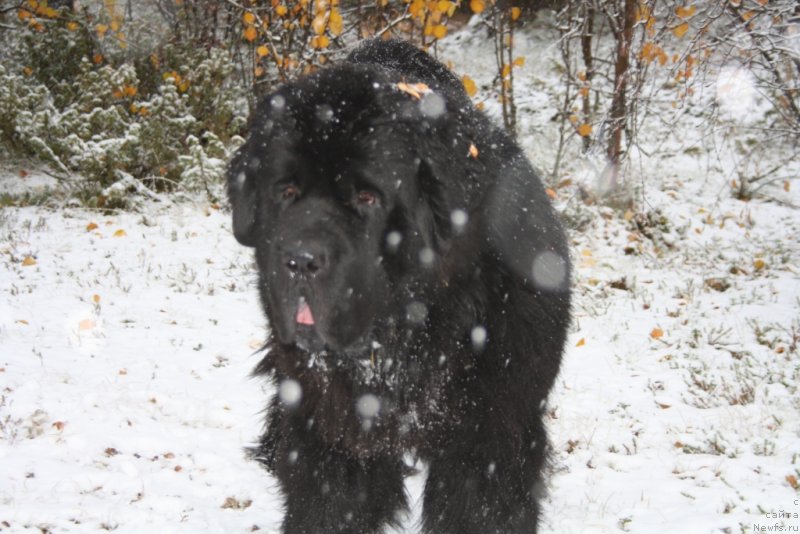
416 280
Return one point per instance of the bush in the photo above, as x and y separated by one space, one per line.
78 101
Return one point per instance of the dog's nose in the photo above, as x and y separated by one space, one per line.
307 259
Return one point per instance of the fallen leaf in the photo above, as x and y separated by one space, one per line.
792 480
759 264
59 425
28 261
86 324
91 226
233 503
473 151
581 342
585 130
656 333
120 233
416 90
96 299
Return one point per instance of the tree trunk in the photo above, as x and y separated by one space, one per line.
619 105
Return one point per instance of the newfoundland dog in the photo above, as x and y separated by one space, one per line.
416 282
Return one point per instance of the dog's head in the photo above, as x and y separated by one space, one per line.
337 193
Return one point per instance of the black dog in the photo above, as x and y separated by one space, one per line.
416 280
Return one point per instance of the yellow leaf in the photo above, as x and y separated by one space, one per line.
250 34
417 9
248 17
759 264
515 13
130 90
336 23
262 51
101 30
258 72
551 193
443 6
685 12
628 215
585 130
319 23
91 226
581 342
96 298
680 30
656 333
473 151
120 233
72 26
477 6
28 261
439 31
520 61
281 10
469 85
320 41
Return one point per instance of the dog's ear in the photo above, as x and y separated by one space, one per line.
433 213
243 197
523 227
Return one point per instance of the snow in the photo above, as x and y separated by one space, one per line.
125 393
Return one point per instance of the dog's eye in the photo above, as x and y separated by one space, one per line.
367 198
289 192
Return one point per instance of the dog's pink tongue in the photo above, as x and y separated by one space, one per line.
304 314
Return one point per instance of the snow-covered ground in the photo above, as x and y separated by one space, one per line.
126 343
